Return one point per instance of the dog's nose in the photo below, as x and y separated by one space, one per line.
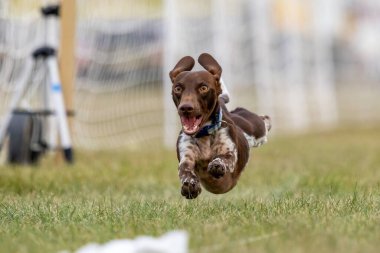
186 108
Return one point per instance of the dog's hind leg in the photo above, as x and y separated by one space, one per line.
255 127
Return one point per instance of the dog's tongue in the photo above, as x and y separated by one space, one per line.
190 124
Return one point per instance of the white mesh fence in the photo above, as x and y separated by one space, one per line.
119 76
304 63
21 32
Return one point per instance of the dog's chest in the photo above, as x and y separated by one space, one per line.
204 149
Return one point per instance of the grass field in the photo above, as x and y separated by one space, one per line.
314 193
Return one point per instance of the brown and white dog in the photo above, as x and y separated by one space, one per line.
213 145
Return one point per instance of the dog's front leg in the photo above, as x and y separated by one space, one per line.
191 187
222 164
225 155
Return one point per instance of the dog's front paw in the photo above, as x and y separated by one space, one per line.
217 168
191 188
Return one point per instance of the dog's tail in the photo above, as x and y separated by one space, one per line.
225 94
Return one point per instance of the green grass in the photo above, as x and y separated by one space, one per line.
314 193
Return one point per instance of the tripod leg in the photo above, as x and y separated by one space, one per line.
56 93
51 122
21 85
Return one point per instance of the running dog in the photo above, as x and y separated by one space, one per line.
213 145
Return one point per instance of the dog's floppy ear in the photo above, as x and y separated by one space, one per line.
185 64
211 65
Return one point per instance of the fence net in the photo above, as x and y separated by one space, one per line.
310 65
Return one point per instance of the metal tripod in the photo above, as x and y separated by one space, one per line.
54 103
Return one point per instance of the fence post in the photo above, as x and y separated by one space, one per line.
170 47
67 52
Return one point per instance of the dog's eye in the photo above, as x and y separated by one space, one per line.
177 89
203 88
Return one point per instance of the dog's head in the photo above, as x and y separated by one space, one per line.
195 93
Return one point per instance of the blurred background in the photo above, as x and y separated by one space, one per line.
311 65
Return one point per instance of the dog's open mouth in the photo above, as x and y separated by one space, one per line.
190 125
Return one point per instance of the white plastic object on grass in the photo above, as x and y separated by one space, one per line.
171 242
